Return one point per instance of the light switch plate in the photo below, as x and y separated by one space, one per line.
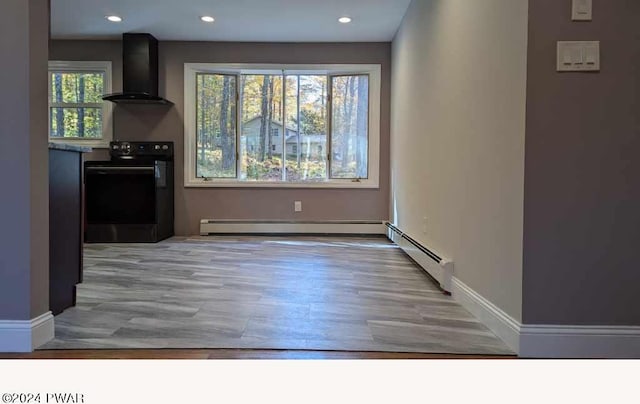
582 10
578 56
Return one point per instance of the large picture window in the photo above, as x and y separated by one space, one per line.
304 126
77 113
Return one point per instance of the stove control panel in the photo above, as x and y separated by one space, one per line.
123 149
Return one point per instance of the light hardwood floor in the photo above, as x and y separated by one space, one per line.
282 293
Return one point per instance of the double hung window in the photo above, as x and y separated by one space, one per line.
77 113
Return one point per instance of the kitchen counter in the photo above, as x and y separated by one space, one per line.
65 224
69 147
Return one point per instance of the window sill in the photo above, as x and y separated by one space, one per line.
366 184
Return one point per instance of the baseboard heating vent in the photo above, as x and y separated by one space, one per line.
441 269
210 227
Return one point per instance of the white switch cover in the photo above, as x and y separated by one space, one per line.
582 10
297 206
578 56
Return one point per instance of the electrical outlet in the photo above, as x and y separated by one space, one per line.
297 206
424 225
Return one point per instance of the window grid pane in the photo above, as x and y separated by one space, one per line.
349 127
307 139
77 87
216 125
260 140
79 123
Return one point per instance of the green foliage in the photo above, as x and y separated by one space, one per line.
252 86
309 170
267 170
210 165
311 122
350 170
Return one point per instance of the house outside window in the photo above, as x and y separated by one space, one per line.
77 113
234 115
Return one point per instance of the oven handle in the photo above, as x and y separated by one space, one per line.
150 169
93 170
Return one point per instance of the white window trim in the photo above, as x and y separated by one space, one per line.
107 107
192 69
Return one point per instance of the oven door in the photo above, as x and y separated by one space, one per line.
120 194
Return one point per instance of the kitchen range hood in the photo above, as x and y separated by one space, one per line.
139 72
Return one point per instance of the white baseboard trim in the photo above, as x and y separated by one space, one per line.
26 335
208 227
550 341
567 341
498 321
42 329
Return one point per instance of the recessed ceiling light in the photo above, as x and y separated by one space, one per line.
207 18
113 18
344 20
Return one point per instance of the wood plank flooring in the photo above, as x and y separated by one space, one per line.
266 293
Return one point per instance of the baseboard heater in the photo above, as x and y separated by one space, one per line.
441 269
356 227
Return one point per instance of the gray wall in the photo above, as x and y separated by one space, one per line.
24 233
582 189
458 128
159 123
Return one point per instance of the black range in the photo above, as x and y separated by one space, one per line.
129 199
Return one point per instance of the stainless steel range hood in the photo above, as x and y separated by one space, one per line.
139 72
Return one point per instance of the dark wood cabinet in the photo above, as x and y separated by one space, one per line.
65 225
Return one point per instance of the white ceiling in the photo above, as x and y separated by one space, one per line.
236 20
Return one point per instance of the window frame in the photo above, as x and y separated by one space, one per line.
103 67
190 133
